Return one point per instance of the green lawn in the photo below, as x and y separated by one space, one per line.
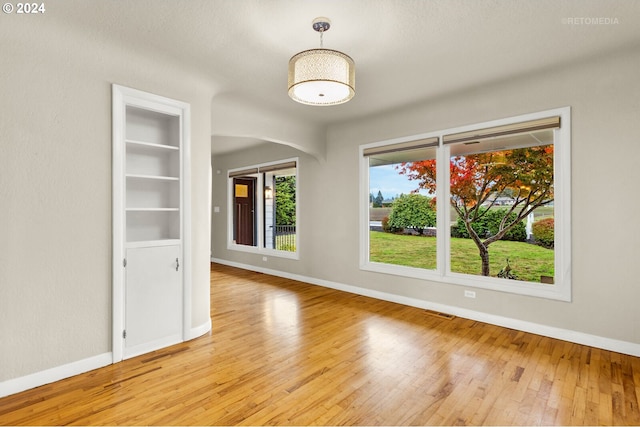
527 261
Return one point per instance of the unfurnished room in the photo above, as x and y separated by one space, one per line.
319 212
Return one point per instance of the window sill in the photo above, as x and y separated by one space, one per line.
262 251
558 291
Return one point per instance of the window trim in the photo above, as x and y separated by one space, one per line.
257 171
561 290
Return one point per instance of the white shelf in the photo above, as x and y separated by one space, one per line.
152 127
152 209
152 243
152 145
153 194
156 177
152 224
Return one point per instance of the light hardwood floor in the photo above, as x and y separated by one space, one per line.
283 352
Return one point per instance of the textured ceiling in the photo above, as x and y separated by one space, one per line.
405 50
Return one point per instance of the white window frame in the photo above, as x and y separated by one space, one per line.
259 208
561 290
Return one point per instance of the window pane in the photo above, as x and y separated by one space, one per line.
402 209
280 210
501 195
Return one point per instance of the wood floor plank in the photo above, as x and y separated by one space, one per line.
282 352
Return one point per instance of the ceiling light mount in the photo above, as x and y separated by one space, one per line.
321 24
321 76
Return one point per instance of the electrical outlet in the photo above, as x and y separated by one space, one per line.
470 294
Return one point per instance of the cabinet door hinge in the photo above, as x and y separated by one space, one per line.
124 334
124 262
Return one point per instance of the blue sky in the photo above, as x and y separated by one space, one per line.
387 180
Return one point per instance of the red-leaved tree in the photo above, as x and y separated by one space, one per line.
477 180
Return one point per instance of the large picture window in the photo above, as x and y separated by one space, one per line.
503 222
263 208
401 218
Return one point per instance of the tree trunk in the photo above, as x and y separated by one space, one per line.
482 248
484 256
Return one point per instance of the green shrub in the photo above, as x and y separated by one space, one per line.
285 200
488 225
543 232
413 211
387 228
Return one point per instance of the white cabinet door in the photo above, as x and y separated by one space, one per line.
153 299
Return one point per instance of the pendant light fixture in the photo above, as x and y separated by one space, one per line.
321 76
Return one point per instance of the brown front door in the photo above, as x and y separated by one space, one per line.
244 217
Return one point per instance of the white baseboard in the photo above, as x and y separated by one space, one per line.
605 343
47 376
200 330
149 346
16 385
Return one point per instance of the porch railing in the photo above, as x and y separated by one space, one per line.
285 237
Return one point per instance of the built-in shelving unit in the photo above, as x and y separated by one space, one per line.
150 210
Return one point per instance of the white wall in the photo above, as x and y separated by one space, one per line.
604 95
55 187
